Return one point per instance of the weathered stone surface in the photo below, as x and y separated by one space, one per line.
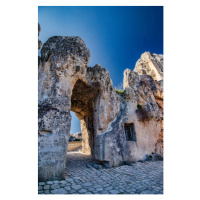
49 182
152 157
125 179
147 192
56 181
59 191
46 191
67 84
59 48
39 187
143 90
87 184
46 187
39 29
63 182
55 186
64 61
41 183
114 149
150 64
76 187
68 188
39 42
82 191
114 192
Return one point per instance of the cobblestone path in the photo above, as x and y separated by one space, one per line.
82 178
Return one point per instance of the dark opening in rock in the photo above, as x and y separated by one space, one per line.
130 132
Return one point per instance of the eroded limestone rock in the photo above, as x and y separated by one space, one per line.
64 60
150 64
67 84
39 42
142 90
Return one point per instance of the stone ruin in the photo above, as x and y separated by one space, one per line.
116 127
76 136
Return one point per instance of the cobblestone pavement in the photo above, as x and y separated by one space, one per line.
82 178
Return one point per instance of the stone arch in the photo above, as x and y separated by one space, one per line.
82 104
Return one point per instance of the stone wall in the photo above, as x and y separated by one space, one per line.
74 145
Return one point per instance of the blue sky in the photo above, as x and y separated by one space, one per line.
116 36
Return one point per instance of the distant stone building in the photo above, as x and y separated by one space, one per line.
116 127
75 137
78 135
72 138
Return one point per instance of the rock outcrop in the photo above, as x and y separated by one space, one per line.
142 90
39 42
64 61
111 127
150 64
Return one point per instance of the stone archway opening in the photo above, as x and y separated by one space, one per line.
75 137
82 103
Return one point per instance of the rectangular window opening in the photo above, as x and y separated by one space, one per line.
130 132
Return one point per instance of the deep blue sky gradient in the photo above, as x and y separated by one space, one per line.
116 36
